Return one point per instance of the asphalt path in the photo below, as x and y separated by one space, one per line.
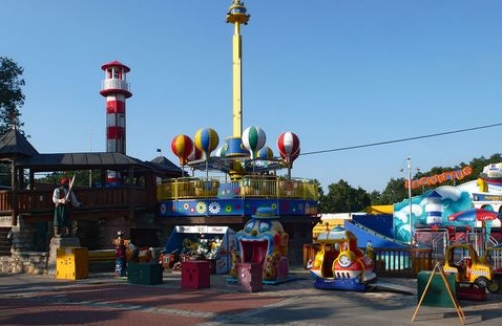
102 299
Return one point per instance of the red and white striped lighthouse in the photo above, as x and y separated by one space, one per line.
116 90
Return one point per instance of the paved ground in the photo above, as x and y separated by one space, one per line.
102 299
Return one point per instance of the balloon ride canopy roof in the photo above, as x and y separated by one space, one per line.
240 165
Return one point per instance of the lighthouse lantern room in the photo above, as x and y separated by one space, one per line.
116 90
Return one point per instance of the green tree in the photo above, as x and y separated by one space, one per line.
11 95
11 99
343 198
375 197
394 192
320 191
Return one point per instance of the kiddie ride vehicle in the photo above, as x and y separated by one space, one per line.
340 264
493 258
462 260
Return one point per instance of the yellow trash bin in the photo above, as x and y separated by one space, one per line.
72 263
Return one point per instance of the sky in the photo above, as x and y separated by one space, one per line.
339 74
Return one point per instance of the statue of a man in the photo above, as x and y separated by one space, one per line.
63 199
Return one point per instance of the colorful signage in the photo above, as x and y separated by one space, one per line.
439 178
486 197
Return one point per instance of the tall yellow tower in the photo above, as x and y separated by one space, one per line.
237 15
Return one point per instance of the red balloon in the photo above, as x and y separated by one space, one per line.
288 144
182 146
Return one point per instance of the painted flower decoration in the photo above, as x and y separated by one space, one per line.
201 207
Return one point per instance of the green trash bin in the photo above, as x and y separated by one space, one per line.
145 273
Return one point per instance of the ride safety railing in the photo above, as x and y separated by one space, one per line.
182 188
264 186
402 262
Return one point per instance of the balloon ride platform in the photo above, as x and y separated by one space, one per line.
235 207
246 178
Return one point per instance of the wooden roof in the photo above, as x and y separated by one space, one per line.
15 146
14 143
97 160
77 160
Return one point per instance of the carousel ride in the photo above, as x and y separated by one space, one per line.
246 168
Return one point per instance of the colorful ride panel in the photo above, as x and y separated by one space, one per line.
235 206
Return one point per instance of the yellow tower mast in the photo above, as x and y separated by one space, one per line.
237 15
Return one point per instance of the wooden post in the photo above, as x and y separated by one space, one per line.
14 191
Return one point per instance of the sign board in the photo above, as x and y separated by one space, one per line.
5 221
201 229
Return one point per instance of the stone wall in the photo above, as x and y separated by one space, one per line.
28 262
23 258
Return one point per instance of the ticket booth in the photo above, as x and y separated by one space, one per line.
212 243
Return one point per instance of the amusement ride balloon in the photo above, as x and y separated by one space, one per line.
221 151
253 139
206 139
265 153
288 144
182 146
264 156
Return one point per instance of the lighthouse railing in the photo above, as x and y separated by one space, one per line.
115 84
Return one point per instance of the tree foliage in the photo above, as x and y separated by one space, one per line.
11 95
342 197
11 100
394 192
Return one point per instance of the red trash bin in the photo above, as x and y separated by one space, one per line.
195 274
249 277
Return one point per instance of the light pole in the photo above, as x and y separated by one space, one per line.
408 166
